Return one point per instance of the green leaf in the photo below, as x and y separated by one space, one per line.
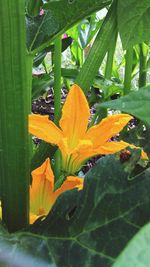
97 223
133 22
135 103
69 73
33 8
40 84
138 136
29 251
41 30
85 31
43 151
94 224
108 87
98 50
77 53
137 252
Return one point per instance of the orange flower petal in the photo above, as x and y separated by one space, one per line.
113 147
33 218
81 155
42 195
75 114
44 129
107 128
70 183
41 189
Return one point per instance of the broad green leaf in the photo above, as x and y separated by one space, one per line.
108 87
87 228
138 136
20 252
91 227
136 103
59 16
137 252
134 22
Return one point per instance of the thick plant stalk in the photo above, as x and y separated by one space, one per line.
128 70
143 65
98 50
15 84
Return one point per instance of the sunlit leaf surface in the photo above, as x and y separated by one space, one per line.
135 103
137 253
134 22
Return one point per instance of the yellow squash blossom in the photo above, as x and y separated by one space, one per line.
75 140
42 194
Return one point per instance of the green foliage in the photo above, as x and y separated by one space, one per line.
138 250
19 250
41 30
85 31
109 88
96 223
38 59
139 136
96 55
88 228
43 151
135 103
40 84
133 21
33 8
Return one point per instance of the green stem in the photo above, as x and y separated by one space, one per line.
57 78
110 57
128 70
15 84
98 50
142 65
